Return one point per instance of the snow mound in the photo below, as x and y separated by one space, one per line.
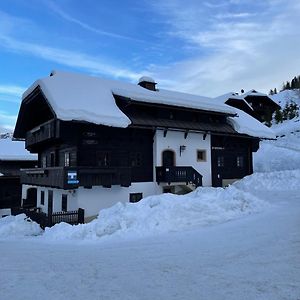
18 226
163 213
287 180
283 153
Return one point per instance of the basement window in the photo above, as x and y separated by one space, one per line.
135 197
201 155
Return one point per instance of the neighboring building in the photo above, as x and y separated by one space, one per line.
257 105
13 157
102 141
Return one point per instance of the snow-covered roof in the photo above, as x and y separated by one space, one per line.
146 79
14 150
75 96
254 93
232 95
245 124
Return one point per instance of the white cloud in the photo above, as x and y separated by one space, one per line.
232 53
84 25
10 26
12 90
68 58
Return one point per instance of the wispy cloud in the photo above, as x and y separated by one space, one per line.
232 53
9 28
84 25
67 58
12 90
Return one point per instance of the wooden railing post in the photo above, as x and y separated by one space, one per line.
80 216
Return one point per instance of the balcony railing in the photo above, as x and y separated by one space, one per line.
178 174
42 133
73 177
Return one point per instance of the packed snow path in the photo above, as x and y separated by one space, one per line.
255 257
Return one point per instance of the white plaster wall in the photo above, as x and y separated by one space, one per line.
193 142
57 193
92 200
97 198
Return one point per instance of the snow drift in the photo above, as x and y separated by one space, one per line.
163 213
18 226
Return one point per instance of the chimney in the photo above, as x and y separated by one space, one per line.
147 83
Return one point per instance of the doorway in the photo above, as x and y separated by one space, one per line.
168 158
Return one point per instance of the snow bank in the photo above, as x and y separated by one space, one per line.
286 96
163 213
18 226
283 153
288 180
271 157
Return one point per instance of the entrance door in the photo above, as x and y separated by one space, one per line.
50 202
31 199
168 158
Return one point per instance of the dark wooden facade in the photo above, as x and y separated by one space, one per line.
231 157
10 186
10 191
263 107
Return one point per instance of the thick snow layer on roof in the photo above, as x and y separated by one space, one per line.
246 124
232 95
254 93
80 97
146 79
14 150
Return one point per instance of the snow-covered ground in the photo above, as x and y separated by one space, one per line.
237 243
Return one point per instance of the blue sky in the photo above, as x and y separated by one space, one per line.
205 47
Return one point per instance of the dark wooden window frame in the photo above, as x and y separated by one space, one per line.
201 155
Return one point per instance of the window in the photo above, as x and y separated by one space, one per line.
44 161
103 158
220 161
135 197
67 159
52 159
201 155
64 202
136 159
240 161
90 142
42 198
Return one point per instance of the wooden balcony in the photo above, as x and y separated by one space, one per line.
178 174
42 133
73 177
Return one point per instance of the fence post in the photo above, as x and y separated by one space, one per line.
49 221
80 216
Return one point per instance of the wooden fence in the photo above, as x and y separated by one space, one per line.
72 217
